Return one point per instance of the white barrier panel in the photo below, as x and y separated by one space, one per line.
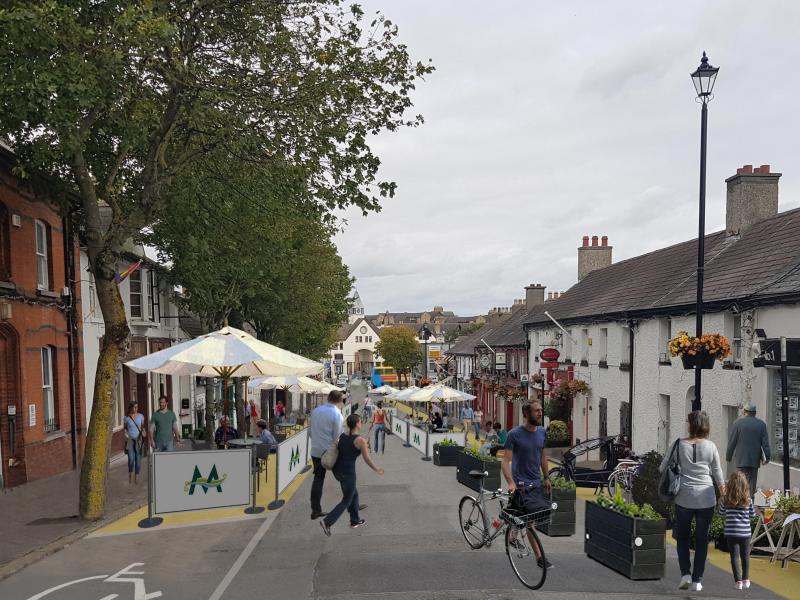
400 428
184 481
417 438
291 458
458 437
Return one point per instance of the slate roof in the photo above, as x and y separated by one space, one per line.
760 265
466 345
511 331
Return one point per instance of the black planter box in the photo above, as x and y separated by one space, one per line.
722 544
446 456
466 463
702 359
562 520
634 547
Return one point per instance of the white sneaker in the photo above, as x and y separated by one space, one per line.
738 585
686 581
696 587
746 584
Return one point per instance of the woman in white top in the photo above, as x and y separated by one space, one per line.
477 420
700 469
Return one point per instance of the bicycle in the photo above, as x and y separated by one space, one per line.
521 540
623 476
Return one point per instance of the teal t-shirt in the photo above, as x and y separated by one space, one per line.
164 424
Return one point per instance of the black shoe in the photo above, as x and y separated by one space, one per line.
325 529
547 564
362 506
317 515
355 525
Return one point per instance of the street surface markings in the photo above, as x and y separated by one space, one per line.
248 550
139 590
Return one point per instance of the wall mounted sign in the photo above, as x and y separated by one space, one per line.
549 355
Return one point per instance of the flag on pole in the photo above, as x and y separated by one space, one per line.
120 278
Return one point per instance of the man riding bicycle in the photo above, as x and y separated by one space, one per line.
524 462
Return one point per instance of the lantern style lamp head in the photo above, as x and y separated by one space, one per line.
703 78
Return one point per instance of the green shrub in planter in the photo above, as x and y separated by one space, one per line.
645 485
626 537
562 520
557 434
445 453
470 459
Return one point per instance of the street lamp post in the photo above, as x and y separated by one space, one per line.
425 333
703 78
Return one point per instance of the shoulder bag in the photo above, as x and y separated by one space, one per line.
330 456
670 482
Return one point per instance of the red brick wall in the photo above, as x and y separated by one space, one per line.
38 319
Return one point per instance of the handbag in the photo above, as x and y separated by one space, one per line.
330 456
669 483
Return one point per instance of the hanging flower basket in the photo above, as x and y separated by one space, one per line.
699 352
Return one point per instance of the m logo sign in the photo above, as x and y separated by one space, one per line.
294 459
397 428
416 438
212 481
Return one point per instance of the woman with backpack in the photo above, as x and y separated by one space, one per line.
699 463
134 439
350 447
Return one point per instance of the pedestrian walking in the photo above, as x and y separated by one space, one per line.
695 501
280 411
368 406
164 429
749 445
379 424
251 417
134 439
737 508
351 446
325 429
476 423
466 417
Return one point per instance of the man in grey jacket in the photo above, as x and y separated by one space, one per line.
750 443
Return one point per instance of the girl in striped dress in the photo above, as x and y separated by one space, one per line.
735 505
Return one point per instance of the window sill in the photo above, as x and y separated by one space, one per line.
47 294
140 323
8 285
665 363
53 435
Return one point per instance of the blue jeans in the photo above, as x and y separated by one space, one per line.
477 427
682 534
379 429
165 446
134 452
349 500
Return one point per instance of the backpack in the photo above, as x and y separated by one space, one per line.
670 482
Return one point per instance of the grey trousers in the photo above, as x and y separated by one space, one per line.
752 476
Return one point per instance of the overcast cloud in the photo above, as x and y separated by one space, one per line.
547 121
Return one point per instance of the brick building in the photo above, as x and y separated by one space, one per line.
42 420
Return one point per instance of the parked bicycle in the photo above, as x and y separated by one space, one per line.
623 476
523 547
614 453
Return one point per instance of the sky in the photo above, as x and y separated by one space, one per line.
548 121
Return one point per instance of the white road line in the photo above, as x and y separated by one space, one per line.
63 585
248 550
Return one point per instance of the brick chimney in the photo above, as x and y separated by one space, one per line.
534 295
752 197
596 256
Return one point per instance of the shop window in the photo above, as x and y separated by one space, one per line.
775 415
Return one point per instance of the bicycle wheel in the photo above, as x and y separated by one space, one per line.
526 555
613 483
472 522
556 472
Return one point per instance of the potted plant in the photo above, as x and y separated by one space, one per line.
717 532
700 352
445 453
562 519
470 459
626 537
557 434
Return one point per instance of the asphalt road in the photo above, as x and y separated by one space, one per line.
410 548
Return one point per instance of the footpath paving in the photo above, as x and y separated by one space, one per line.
41 517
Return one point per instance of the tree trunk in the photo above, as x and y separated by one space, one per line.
94 468
239 405
211 408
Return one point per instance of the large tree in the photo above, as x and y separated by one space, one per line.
119 99
400 349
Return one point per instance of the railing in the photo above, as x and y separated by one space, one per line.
50 425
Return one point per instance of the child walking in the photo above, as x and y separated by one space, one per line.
736 507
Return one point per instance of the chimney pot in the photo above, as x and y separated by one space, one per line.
765 168
604 240
586 240
740 171
594 240
747 169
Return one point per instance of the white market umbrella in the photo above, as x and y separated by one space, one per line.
327 388
384 390
403 394
439 393
226 353
292 384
